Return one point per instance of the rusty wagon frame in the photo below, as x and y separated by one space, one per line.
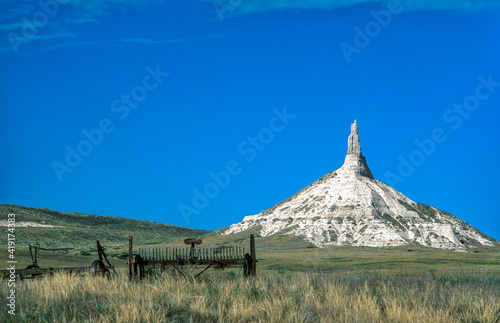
191 256
96 268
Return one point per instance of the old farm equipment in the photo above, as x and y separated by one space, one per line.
96 268
191 256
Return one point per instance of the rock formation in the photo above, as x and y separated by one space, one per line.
349 207
354 160
353 146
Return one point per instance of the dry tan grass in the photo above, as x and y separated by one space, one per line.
269 297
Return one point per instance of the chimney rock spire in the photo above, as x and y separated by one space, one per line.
354 160
353 146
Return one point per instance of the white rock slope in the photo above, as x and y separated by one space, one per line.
349 207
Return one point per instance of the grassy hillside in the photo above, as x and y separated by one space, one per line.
283 253
82 230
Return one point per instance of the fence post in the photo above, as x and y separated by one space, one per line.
130 257
253 268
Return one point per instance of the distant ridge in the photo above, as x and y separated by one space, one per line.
78 230
349 207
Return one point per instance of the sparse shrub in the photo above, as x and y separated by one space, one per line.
432 271
255 293
231 275
282 271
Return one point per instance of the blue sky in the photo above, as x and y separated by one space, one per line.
136 108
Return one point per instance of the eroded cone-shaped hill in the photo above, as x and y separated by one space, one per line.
349 207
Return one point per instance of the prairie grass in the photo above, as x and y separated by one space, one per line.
227 296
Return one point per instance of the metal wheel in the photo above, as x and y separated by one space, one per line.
98 268
139 264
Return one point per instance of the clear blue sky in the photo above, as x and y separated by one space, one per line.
407 71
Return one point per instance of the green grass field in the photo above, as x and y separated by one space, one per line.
326 260
295 282
343 284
